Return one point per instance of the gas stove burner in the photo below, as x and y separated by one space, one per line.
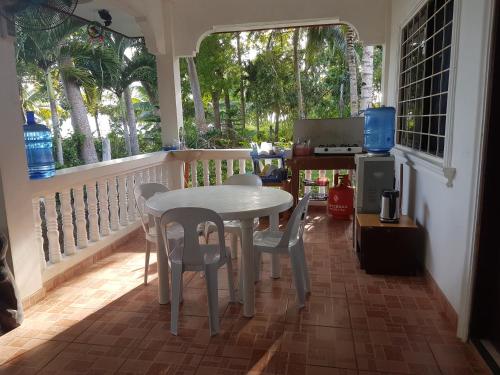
332 149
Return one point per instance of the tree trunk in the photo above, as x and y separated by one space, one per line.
353 73
227 105
55 118
216 105
277 125
242 83
106 149
126 135
97 128
152 97
132 123
257 121
367 78
79 119
199 111
296 66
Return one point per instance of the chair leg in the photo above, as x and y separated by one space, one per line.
146 266
230 281
176 296
305 271
298 278
234 245
213 299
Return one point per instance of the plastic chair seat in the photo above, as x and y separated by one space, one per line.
211 256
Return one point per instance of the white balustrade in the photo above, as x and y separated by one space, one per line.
242 166
103 207
230 166
218 172
97 198
307 175
93 215
206 173
194 173
38 232
322 189
52 228
67 222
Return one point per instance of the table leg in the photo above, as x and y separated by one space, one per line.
248 268
274 221
295 185
162 262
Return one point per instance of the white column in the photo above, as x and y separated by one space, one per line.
242 166
103 207
218 172
93 215
67 222
194 173
81 222
230 169
16 208
206 173
169 90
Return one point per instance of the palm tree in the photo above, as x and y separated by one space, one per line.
199 111
342 38
41 50
367 77
296 67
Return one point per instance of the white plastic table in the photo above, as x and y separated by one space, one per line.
231 202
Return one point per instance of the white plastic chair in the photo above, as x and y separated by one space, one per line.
289 242
142 193
190 255
233 227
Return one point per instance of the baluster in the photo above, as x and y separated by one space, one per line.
67 222
206 173
38 232
138 182
122 200
218 172
164 175
103 207
131 199
152 174
194 173
145 176
308 174
322 189
52 230
113 204
230 170
158 174
242 164
81 222
93 214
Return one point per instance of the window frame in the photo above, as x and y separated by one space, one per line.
440 165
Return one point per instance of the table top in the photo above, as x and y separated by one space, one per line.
231 202
373 220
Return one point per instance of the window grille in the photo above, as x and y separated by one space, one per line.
424 78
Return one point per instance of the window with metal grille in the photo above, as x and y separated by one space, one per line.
424 76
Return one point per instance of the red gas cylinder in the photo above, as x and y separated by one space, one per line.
340 199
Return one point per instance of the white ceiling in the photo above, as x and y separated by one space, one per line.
123 22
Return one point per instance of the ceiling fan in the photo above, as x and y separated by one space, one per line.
37 15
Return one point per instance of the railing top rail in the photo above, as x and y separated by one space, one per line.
70 177
209 154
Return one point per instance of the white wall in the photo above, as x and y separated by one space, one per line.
447 213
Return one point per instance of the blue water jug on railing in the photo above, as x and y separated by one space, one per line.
38 144
379 129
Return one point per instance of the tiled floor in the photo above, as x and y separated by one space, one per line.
105 321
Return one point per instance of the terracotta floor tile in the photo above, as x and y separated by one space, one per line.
159 362
321 311
320 346
105 320
393 352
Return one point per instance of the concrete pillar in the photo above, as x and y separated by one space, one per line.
16 212
169 90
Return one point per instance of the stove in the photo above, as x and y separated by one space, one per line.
333 149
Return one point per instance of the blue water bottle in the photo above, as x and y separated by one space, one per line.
379 129
38 144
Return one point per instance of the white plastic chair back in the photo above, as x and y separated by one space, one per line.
190 218
142 193
296 223
244 180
